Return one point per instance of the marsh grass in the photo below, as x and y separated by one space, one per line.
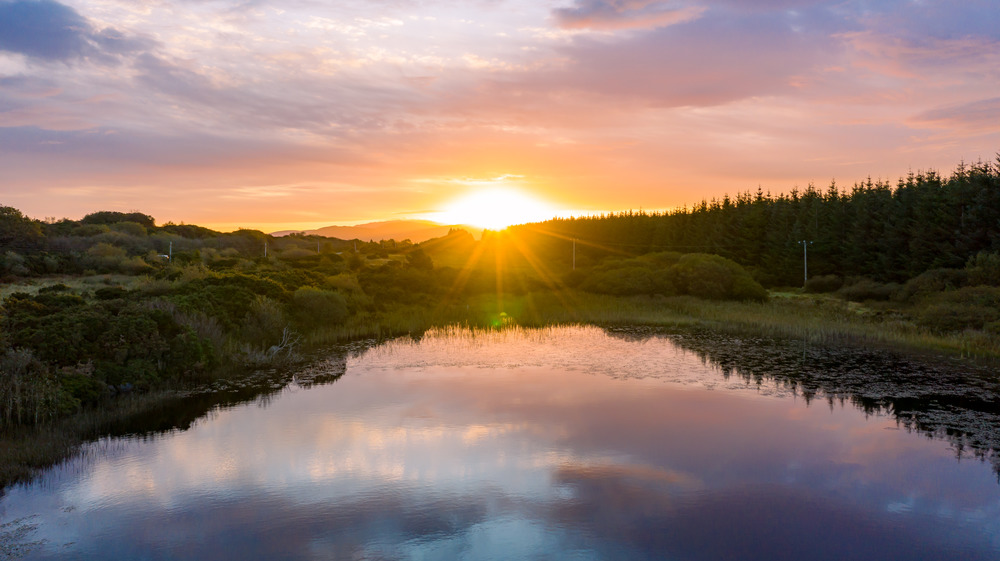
810 317
814 318
26 449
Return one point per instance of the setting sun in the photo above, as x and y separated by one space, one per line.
495 209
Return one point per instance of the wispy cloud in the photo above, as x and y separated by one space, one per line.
624 14
976 117
668 101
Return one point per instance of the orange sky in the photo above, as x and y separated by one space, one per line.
298 114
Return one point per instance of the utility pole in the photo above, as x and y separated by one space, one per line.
574 254
805 261
265 249
170 253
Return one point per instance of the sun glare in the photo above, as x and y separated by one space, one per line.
495 209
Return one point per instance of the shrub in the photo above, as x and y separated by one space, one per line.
315 307
984 268
88 230
662 259
406 285
714 277
297 253
105 257
112 217
823 284
973 307
53 288
932 282
130 228
14 264
135 266
624 281
419 259
264 323
867 289
110 293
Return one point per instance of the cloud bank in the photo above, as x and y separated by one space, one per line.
668 101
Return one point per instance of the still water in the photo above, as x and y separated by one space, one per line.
560 443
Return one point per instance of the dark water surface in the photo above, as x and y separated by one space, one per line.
560 443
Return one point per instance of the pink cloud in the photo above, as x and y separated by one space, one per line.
976 117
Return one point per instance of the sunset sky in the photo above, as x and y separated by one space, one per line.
304 113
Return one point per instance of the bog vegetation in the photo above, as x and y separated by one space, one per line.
115 304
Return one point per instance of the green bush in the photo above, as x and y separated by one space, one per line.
866 289
418 258
624 281
394 284
14 264
714 277
130 228
264 323
81 388
984 269
110 293
89 230
972 307
105 257
932 282
297 253
823 284
661 259
314 307
128 341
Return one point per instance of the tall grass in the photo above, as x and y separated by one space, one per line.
26 449
816 318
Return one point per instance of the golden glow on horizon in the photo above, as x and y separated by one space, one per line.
495 209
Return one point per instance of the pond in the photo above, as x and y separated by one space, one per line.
556 443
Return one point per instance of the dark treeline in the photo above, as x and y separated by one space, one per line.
879 230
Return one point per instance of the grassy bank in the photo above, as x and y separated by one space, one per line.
815 318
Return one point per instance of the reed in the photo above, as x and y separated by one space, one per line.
26 449
816 318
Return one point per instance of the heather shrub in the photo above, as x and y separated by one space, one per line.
313 307
823 284
984 269
932 282
866 289
973 307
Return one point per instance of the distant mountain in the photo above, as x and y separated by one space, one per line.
414 230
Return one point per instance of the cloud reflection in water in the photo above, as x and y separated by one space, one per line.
541 444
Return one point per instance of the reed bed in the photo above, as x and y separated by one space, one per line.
814 318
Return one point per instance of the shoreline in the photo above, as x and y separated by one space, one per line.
24 451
